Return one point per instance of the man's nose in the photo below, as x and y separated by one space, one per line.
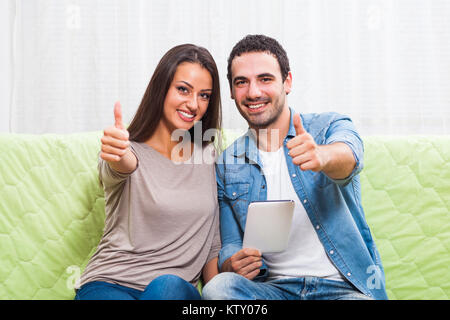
254 91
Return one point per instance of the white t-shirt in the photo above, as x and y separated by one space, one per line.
305 254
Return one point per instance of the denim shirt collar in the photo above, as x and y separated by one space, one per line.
291 133
246 146
247 143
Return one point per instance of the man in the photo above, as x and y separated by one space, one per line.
313 159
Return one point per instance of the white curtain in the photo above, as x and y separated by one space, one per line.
385 63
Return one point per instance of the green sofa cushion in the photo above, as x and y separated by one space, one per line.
52 212
406 197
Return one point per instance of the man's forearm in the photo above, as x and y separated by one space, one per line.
339 160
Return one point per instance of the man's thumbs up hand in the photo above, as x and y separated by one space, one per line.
298 125
115 143
304 150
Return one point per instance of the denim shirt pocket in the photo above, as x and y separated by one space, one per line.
237 194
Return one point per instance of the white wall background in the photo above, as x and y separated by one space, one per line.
5 65
386 63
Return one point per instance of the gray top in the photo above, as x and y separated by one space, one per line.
163 218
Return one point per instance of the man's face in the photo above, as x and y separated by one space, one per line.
258 89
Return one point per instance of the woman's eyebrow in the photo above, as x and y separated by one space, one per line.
187 83
190 86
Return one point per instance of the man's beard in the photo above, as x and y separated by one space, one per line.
270 115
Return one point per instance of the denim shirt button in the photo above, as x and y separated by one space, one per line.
331 251
294 175
305 201
317 227
349 274
234 194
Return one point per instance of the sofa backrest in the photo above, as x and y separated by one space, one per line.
406 198
52 212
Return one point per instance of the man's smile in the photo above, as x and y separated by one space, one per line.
255 107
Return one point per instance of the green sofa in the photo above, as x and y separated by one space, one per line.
52 212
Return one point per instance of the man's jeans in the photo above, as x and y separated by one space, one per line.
166 287
231 286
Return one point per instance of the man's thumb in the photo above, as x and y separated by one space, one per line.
298 125
118 116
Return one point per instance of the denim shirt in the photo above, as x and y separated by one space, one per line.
333 206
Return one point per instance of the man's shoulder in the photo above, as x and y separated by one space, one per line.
233 157
317 122
232 147
323 117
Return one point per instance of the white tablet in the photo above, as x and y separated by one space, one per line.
268 225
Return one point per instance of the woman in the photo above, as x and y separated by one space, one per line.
161 232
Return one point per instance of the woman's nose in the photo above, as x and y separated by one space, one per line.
192 103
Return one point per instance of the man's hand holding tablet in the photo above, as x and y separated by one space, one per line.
267 230
245 262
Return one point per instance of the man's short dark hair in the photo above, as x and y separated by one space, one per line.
260 43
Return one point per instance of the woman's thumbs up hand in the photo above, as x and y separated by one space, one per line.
115 143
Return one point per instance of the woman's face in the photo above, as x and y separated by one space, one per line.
188 96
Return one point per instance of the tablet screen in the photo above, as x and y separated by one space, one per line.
268 225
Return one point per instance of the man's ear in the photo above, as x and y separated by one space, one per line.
288 83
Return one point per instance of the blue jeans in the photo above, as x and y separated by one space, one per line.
166 287
231 286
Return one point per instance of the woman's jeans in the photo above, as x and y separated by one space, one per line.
166 287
